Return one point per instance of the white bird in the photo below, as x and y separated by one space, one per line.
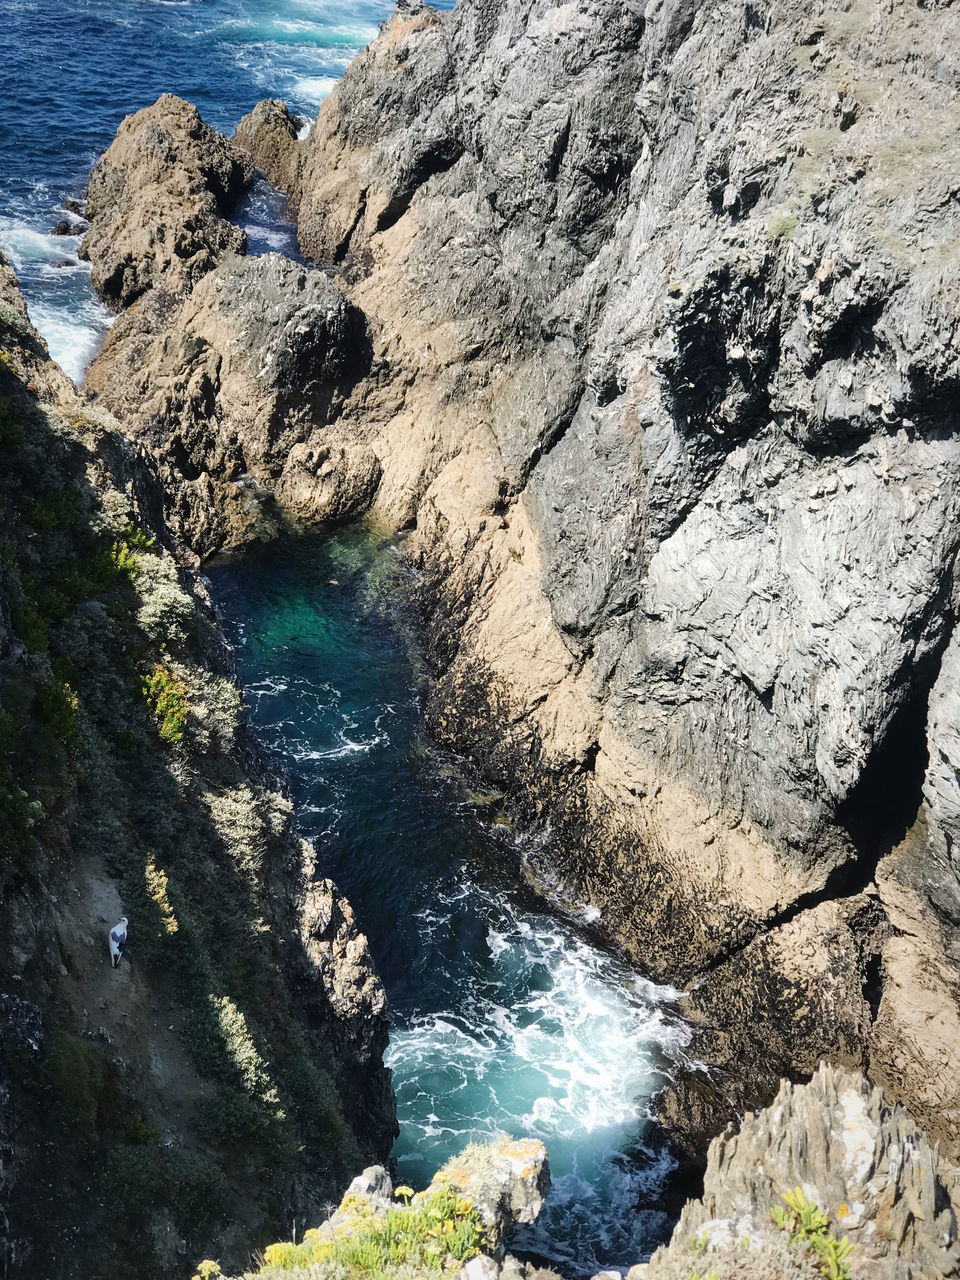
117 937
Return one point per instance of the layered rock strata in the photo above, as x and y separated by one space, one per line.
229 1074
661 315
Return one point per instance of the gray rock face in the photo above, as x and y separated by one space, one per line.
864 1163
688 281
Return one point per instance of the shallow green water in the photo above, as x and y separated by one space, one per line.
507 1018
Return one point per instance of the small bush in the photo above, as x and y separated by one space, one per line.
808 1227
142 1133
439 1231
142 1180
33 630
58 707
11 428
54 509
166 696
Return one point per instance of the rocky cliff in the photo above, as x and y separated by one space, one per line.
228 1075
830 1180
643 321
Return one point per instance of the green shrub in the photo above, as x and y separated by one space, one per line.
143 1179
231 1116
53 509
437 1232
33 630
11 428
142 1133
57 707
18 815
166 696
808 1227
124 555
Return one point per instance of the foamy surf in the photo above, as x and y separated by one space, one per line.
551 1039
314 88
56 286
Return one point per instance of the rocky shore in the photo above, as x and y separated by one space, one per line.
643 324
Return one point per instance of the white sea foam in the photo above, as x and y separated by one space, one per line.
552 1039
314 88
56 285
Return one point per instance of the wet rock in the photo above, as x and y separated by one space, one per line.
158 201
880 1183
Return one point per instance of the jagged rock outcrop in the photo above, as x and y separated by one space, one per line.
230 1071
879 1182
269 136
157 200
237 389
662 313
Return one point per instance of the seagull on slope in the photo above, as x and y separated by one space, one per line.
117 938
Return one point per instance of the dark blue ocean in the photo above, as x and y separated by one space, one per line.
507 1017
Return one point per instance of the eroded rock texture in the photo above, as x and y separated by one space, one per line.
864 1163
156 203
661 305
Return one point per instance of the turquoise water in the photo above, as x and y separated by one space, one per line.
507 1018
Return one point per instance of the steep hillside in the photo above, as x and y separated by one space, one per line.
643 321
228 1075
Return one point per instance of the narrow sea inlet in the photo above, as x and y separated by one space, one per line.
507 1019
